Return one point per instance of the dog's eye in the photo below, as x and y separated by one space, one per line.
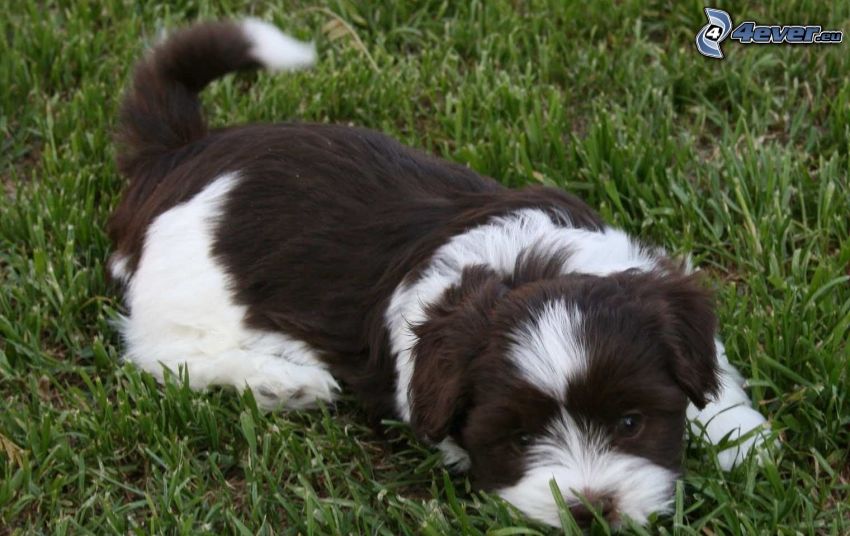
630 425
523 440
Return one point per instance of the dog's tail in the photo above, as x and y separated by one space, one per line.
161 111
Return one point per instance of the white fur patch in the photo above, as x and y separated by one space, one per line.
731 414
581 462
182 314
548 351
454 457
274 49
497 244
118 267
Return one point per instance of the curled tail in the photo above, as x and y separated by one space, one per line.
161 111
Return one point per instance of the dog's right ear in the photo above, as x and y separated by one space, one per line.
455 332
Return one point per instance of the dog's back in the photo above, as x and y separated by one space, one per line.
293 177
283 258
308 228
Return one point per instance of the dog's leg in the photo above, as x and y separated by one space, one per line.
730 414
182 314
281 372
279 377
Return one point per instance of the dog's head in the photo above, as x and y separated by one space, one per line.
577 379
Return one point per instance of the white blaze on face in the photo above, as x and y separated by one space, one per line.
549 352
582 463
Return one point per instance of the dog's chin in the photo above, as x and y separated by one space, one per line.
634 488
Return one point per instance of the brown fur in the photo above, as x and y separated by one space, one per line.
326 221
649 337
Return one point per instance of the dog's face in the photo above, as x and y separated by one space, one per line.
578 380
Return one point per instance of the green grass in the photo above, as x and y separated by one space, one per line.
743 162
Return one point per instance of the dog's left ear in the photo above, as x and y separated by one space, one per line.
689 325
455 332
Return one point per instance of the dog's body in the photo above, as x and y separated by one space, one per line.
511 327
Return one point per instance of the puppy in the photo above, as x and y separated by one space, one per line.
513 329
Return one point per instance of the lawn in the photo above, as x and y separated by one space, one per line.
742 162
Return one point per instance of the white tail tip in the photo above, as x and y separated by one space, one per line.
274 49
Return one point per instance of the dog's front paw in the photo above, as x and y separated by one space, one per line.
741 427
746 430
288 386
455 458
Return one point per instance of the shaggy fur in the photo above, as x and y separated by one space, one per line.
512 328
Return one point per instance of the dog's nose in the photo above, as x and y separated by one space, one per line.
603 504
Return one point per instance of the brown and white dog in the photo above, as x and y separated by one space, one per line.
512 328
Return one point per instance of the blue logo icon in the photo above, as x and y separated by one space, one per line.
712 34
719 27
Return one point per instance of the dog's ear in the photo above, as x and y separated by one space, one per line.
689 325
455 332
